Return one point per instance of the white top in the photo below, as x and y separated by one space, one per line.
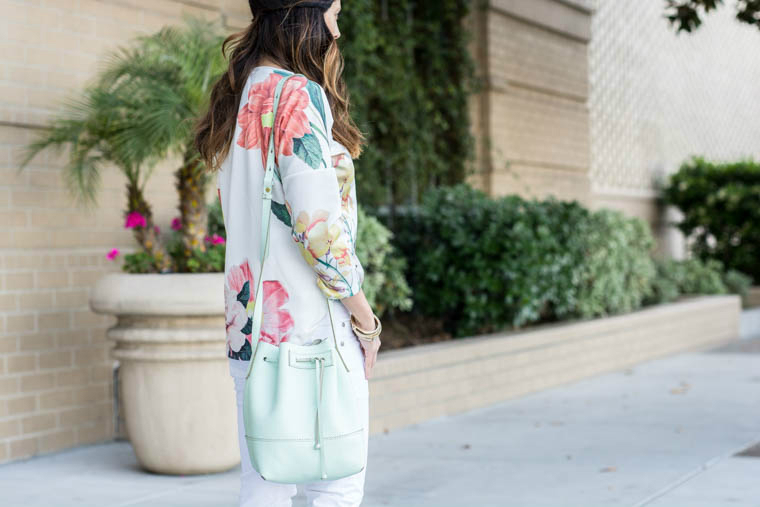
312 249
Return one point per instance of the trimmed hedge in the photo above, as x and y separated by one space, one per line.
384 284
483 264
721 207
693 276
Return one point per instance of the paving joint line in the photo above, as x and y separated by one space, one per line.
697 471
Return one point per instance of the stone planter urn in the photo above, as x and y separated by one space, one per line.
177 395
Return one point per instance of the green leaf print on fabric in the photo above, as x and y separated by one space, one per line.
244 294
281 212
244 353
319 131
267 119
316 99
308 149
248 327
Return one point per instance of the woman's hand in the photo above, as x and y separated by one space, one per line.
370 355
358 306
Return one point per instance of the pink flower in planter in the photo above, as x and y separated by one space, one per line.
214 239
156 229
135 219
176 223
112 254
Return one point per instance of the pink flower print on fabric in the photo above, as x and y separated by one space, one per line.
276 323
237 294
256 117
236 320
239 300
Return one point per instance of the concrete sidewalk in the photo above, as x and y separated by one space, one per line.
664 433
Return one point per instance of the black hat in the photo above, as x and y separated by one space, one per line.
263 6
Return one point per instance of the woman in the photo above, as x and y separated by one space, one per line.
312 244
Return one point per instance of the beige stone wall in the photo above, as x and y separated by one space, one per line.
479 173
531 120
657 97
56 376
598 100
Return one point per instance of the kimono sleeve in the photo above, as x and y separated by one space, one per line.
312 194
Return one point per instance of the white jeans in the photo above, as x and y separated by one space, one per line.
345 492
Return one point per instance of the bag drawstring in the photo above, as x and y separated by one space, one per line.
319 370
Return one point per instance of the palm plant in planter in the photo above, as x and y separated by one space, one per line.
169 76
141 109
91 127
169 304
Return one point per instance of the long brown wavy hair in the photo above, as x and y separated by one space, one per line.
297 39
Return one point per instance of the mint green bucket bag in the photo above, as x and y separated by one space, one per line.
299 408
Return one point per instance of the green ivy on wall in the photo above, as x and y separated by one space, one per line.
410 73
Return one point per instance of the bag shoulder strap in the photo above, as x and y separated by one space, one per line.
266 206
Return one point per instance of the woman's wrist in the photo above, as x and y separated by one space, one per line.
362 316
365 322
369 334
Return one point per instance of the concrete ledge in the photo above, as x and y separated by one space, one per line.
567 17
753 297
749 323
419 383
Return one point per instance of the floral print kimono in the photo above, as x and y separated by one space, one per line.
312 239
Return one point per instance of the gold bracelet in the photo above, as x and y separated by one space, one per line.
364 338
355 325
364 335
367 336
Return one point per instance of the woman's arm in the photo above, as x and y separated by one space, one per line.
359 306
312 194
314 202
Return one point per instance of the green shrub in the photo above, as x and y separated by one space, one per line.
482 264
384 283
617 267
690 276
737 283
694 276
410 73
721 212
216 219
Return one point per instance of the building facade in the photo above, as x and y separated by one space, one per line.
598 100
584 99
